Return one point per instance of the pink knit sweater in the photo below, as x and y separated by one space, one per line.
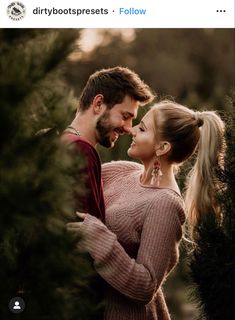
138 247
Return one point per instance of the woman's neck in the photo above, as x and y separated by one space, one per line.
167 180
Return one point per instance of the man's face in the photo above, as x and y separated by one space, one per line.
116 121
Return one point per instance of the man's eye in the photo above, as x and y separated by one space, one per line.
125 117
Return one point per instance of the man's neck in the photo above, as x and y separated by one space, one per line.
82 124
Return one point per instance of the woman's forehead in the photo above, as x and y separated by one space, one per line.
148 117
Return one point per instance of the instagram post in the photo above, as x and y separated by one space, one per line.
117 167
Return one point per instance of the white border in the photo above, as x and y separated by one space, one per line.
159 14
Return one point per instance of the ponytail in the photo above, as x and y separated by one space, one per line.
188 131
202 184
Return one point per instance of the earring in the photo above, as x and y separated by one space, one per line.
156 172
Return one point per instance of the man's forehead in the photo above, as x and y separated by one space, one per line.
131 109
128 106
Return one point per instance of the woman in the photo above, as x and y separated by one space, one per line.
138 247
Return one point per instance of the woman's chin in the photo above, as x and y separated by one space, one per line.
130 153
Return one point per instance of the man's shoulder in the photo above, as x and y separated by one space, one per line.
80 145
84 145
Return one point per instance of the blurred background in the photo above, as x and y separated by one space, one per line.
194 67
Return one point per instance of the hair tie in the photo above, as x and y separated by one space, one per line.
198 118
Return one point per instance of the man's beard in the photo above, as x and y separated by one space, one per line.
104 130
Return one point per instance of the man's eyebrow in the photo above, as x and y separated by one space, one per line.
130 114
142 122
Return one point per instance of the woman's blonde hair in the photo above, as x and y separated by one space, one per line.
188 131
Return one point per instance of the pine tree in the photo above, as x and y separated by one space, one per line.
213 266
38 260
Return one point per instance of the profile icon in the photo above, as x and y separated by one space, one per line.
16 10
16 305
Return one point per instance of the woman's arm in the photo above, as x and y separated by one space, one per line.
137 279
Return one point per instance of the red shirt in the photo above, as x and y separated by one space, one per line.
93 201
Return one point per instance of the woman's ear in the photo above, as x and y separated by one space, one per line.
98 104
164 148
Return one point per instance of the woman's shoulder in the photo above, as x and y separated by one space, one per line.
122 165
119 168
170 202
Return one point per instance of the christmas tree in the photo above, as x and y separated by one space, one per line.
213 266
38 259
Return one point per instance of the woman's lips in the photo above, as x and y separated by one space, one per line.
133 143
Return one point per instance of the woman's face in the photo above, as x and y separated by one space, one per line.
143 139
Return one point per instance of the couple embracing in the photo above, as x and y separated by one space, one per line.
133 214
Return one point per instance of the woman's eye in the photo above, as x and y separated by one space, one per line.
141 129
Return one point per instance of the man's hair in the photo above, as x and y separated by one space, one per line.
114 84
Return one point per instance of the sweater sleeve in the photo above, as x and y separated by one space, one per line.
137 279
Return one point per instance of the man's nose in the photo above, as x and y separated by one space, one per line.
127 129
131 131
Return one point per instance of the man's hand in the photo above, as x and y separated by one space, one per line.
76 226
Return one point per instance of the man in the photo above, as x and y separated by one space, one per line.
108 104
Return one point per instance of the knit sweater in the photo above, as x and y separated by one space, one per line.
138 247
